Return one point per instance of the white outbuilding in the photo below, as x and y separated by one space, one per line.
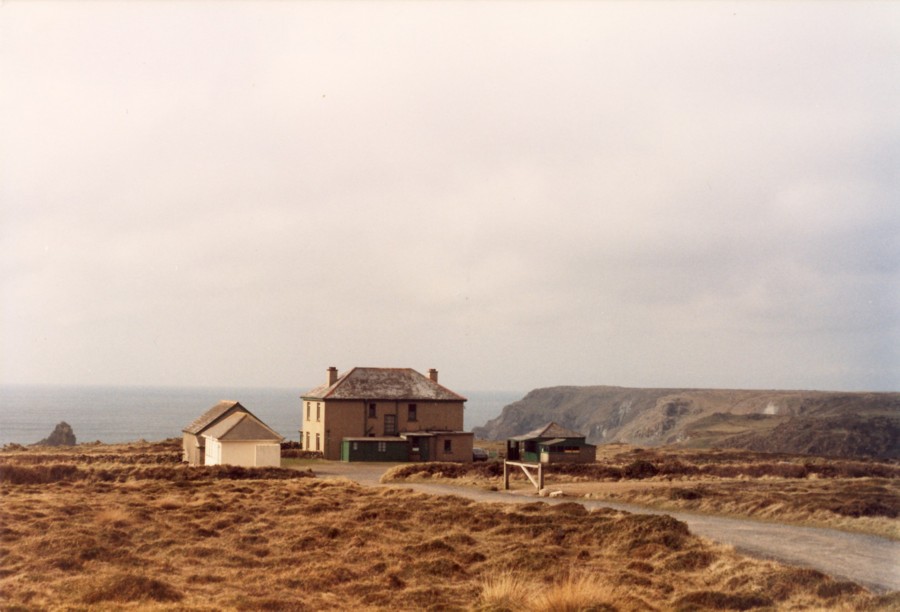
242 439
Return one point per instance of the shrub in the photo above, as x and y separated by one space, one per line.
505 591
39 474
716 600
639 469
131 587
866 507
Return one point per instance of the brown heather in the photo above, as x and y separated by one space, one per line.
854 495
121 535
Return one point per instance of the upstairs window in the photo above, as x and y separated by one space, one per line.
318 411
448 446
372 413
307 410
411 415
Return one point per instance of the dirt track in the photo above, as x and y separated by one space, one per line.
867 560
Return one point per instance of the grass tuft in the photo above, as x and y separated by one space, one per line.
128 587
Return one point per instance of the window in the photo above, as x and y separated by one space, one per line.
318 443
307 442
390 424
448 446
307 411
372 413
382 447
356 446
411 415
318 411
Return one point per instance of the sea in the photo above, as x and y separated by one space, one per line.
112 414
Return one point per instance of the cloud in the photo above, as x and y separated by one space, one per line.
519 195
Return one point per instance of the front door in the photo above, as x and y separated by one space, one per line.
418 449
390 424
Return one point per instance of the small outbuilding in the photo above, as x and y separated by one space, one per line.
242 439
551 443
420 446
230 434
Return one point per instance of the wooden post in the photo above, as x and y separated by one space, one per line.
537 480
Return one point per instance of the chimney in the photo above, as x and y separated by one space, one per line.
432 374
332 375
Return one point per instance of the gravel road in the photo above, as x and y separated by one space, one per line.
868 560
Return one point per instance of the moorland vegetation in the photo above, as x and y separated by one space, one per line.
128 527
849 494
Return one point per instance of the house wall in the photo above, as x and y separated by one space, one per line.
312 424
339 419
460 447
192 449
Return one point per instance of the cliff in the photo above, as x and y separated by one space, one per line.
820 422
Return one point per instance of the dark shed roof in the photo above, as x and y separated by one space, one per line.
550 430
384 384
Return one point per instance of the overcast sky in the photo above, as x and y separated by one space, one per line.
520 194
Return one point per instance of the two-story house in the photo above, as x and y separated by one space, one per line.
388 414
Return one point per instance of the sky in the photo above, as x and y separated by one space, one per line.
519 194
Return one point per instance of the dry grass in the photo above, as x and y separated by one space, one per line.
265 542
853 495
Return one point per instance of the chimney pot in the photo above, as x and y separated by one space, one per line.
432 374
332 375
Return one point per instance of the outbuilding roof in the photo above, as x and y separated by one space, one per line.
242 426
384 384
550 430
212 415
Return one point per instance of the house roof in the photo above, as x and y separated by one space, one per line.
212 415
550 430
242 426
384 384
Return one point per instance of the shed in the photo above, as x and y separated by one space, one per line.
193 442
409 446
567 450
385 448
242 439
551 443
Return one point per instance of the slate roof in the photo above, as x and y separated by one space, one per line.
550 430
212 415
241 426
384 384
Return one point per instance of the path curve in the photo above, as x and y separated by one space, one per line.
868 560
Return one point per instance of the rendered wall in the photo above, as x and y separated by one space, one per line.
268 454
192 449
244 453
238 453
213 454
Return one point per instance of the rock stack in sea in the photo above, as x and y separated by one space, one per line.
62 436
